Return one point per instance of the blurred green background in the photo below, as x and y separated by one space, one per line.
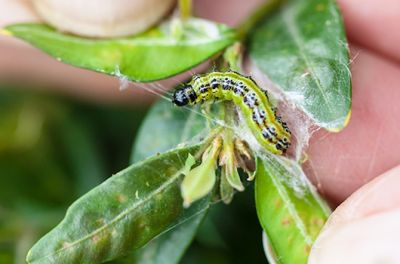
53 149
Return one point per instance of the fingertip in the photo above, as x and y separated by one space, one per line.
373 24
230 12
373 239
365 228
379 195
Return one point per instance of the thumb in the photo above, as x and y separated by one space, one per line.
100 18
365 228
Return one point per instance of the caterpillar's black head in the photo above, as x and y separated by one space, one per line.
181 96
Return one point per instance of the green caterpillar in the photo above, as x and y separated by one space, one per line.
267 127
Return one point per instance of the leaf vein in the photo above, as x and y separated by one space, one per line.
124 213
288 16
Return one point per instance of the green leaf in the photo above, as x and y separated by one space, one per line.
121 214
303 50
156 54
289 209
82 153
43 146
165 127
170 247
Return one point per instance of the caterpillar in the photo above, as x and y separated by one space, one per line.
266 126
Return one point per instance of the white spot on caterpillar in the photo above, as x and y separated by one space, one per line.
257 116
249 97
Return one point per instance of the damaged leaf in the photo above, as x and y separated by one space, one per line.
289 209
121 214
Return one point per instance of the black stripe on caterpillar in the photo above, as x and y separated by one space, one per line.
268 128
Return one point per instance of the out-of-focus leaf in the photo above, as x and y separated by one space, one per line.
170 247
289 209
6 255
161 52
232 232
49 143
82 154
165 127
303 50
120 215
42 145
28 157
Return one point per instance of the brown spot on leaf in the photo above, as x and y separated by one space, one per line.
95 238
318 222
286 221
307 248
121 198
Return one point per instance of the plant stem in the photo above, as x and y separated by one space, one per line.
229 119
233 57
266 8
228 134
185 9
229 114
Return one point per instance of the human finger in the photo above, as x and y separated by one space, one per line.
340 163
373 24
365 228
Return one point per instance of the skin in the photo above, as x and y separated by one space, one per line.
356 168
